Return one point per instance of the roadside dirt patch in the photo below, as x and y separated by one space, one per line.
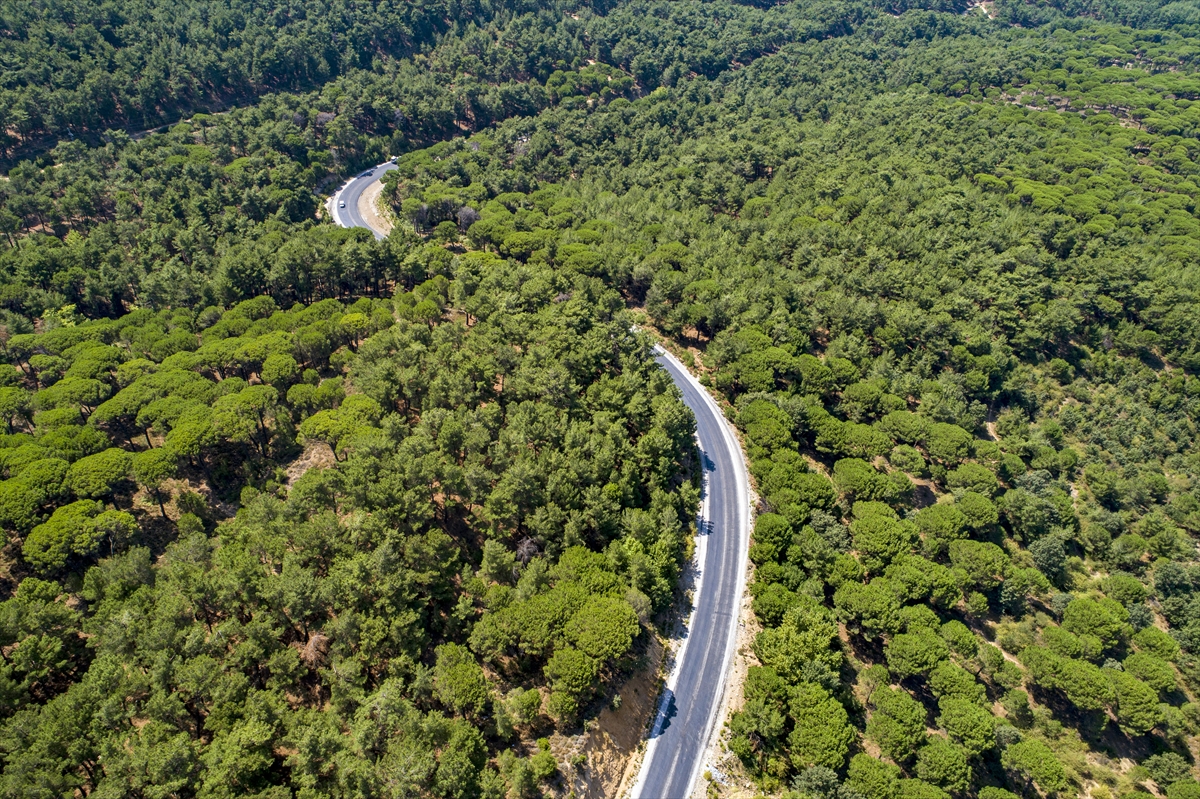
608 748
368 206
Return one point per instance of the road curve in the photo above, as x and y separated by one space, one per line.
695 688
349 193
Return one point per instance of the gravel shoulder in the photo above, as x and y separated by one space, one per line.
368 206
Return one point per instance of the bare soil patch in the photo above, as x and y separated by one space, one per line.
315 455
368 206
605 754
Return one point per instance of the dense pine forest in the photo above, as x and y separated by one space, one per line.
292 512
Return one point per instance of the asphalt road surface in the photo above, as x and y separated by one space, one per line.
349 194
695 688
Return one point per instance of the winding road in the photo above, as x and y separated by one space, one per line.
695 691
344 206
694 694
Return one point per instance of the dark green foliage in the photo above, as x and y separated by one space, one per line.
1136 707
880 535
1084 684
1167 769
943 259
869 610
345 590
757 732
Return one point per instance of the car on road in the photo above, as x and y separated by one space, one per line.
342 204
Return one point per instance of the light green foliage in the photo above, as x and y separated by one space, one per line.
1152 670
72 392
1034 761
604 628
919 617
915 653
907 459
968 723
1061 642
983 563
905 427
152 468
1105 619
572 675
524 705
97 475
37 484
979 511
879 535
919 789
1156 642
78 529
15 403
1184 789
939 525
245 417
916 579
947 443
498 563
1125 589
973 479
859 481
873 779
896 723
943 764
459 680
772 537
771 602
954 682
822 734
960 638
806 635
992 792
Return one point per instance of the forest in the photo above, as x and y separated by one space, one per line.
292 512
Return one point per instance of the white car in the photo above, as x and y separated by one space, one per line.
342 204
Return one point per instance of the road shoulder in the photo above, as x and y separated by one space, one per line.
368 206
729 691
